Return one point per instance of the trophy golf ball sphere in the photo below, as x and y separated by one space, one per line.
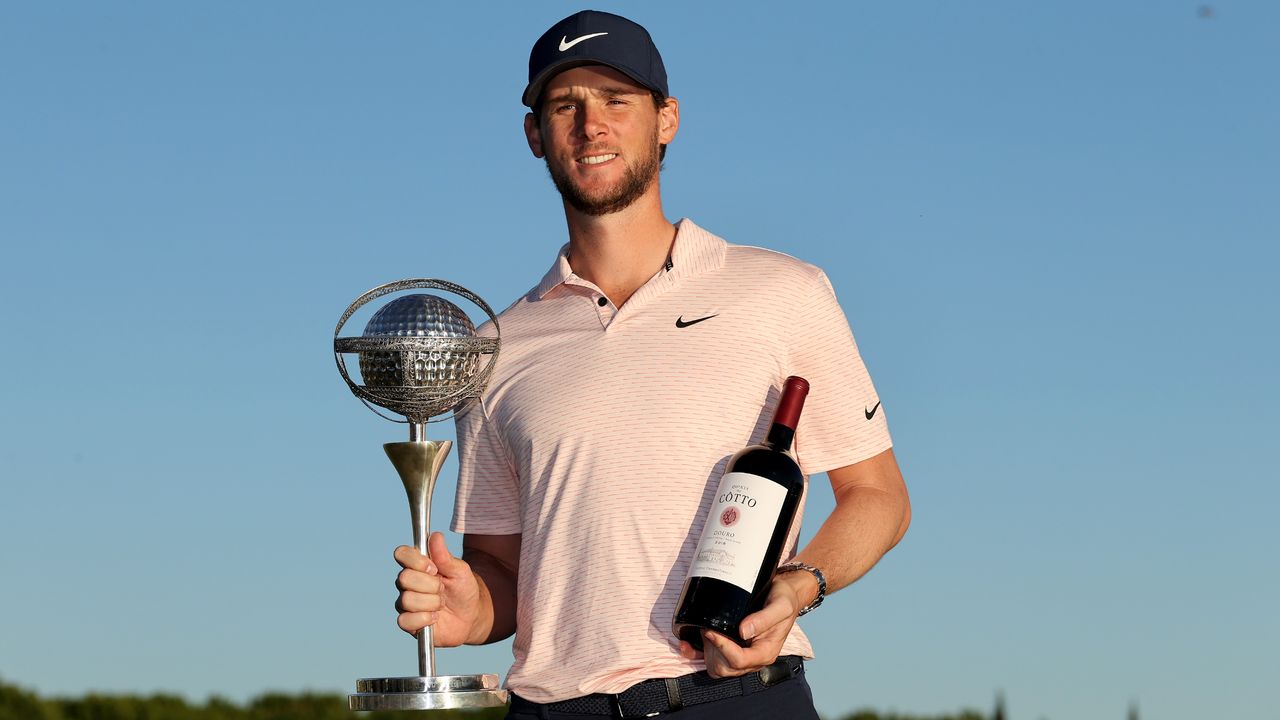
425 316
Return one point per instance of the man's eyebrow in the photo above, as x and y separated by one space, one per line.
558 97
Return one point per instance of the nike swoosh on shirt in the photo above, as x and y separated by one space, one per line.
682 323
872 412
566 43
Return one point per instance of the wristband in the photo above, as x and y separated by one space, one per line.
822 582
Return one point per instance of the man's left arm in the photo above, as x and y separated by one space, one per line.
871 515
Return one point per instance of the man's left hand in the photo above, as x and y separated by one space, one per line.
766 630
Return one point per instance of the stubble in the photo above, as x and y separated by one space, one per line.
634 184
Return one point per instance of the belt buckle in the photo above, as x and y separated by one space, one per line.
775 673
617 707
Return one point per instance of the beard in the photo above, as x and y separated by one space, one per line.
634 183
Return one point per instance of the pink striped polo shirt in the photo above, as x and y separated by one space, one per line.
604 431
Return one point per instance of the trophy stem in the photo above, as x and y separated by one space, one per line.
418 463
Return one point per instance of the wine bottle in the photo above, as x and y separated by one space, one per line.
745 529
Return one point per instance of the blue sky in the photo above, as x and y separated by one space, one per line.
1052 226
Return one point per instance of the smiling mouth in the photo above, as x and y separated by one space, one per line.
597 159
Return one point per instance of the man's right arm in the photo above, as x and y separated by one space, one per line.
468 600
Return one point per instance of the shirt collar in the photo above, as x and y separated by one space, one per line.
555 277
694 252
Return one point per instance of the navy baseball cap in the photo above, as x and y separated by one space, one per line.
591 37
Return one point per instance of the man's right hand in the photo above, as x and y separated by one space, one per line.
440 591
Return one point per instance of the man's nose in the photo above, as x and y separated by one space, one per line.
592 120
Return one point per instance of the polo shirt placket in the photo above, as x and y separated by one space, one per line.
610 315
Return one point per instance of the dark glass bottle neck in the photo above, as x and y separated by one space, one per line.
780 437
787 416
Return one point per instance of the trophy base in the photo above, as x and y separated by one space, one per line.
437 692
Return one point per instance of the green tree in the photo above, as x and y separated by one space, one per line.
19 704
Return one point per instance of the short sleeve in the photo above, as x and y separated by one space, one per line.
488 497
843 421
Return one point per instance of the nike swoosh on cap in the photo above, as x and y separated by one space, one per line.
566 43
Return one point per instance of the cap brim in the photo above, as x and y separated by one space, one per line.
534 88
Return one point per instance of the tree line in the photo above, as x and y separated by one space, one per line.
20 704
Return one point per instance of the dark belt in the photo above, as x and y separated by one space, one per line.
654 697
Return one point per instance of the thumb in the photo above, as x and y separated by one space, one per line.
448 564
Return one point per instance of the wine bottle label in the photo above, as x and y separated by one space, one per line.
738 529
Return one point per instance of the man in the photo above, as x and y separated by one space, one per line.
647 355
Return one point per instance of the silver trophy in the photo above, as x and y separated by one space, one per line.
420 358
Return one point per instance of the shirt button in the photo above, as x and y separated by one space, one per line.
602 301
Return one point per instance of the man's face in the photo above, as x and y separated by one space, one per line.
599 133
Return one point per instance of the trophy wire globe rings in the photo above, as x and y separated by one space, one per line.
419 354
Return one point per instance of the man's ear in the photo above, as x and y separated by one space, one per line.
668 120
533 134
